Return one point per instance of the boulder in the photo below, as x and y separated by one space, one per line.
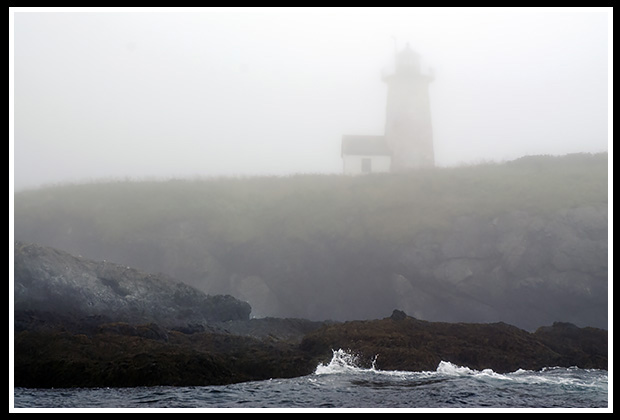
48 280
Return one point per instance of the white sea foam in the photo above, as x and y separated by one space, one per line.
342 362
450 369
347 362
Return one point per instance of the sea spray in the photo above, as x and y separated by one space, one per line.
347 362
342 361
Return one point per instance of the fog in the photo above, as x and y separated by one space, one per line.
158 93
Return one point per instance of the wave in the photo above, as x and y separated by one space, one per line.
342 362
347 362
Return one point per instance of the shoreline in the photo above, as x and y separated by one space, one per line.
120 354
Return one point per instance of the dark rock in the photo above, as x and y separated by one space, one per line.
151 331
583 347
398 315
121 355
415 345
289 329
52 281
190 328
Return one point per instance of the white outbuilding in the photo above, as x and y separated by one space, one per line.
365 155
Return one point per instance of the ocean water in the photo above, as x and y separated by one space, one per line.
342 384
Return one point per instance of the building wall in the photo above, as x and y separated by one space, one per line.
408 128
352 164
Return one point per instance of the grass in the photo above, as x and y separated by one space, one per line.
388 207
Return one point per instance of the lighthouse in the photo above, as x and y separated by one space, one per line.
407 142
408 126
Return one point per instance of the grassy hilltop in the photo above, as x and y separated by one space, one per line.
261 235
386 206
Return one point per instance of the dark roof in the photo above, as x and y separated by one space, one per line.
365 145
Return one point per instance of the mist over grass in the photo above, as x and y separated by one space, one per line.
387 206
322 233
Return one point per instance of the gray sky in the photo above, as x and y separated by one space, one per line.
226 92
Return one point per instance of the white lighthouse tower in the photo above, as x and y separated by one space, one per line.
408 127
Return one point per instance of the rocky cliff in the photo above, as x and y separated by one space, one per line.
47 280
519 267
